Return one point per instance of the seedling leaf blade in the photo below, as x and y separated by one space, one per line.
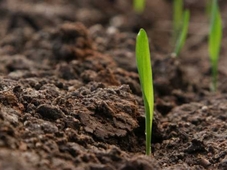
146 81
215 36
177 17
183 34
139 5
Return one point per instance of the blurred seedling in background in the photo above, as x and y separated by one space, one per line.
181 19
146 81
208 7
214 45
177 17
139 5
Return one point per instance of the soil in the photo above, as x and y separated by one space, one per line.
70 97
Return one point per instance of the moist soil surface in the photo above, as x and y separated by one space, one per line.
70 97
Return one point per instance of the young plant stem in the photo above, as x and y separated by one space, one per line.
214 72
183 34
215 36
177 18
146 81
139 5
208 7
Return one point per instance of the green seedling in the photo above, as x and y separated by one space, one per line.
214 45
183 34
208 7
139 5
146 81
180 26
177 18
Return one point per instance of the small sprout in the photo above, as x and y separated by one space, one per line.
177 17
183 34
215 36
208 7
180 26
139 5
146 81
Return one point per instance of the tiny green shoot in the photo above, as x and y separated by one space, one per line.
146 81
177 17
181 19
183 34
139 5
208 7
214 45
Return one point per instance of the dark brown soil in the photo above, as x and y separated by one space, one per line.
70 96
